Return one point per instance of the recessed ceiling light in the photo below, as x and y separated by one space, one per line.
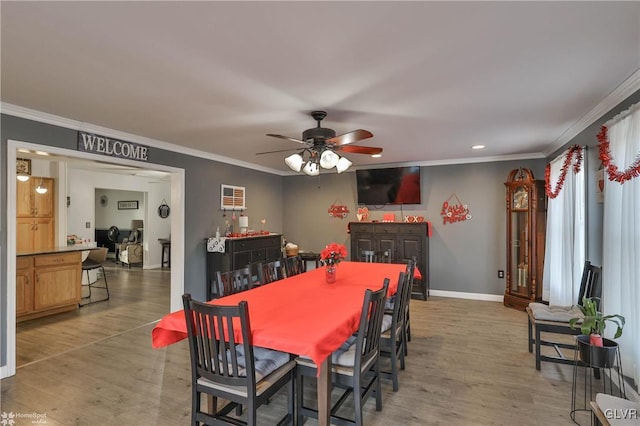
376 155
477 147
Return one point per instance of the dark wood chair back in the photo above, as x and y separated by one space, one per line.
368 339
591 282
231 282
294 265
270 271
211 331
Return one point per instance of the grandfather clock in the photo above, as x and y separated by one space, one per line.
526 226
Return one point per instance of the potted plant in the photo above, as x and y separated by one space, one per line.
594 349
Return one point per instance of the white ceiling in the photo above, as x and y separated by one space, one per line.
428 79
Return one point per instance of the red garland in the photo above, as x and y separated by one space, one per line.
632 171
575 149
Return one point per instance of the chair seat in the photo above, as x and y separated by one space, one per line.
265 361
543 312
262 384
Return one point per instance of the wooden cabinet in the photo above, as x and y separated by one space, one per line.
526 227
240 252
30 203
35 227
47 284
24 285
402 240
34 234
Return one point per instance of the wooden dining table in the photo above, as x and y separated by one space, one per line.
302 315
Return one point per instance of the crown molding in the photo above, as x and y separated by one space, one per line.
43 117
617 96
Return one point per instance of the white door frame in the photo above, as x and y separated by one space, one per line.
177 233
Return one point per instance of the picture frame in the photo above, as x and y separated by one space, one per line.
23 166
127 205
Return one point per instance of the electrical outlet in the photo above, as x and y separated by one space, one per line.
500 274
87 224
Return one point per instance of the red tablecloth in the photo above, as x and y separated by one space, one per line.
302 314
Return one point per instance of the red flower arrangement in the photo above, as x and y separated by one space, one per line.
333 253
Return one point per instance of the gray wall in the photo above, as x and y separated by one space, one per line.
464 256
202 199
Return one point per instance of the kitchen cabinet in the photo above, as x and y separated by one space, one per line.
35 223
402 241
47 284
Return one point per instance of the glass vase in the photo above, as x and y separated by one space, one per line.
330 273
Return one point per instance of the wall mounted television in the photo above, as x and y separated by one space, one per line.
396 185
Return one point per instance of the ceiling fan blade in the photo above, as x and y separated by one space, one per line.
287 138
357 149
350 137
279 150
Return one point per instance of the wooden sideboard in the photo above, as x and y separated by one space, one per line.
240 252
402 240
47 284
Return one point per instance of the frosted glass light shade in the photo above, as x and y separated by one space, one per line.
295 162
22 178
343 164
41 189
328 159
311 169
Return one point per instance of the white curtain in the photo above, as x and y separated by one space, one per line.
565 237
621 240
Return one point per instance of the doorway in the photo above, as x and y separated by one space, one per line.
14 150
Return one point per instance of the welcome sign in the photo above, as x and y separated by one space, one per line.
88 142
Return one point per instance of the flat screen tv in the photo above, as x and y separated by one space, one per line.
396 185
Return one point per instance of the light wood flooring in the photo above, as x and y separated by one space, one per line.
468 364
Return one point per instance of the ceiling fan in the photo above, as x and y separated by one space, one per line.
321 144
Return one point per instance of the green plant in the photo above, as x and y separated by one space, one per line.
594 322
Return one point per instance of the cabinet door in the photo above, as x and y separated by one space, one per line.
410 246
24 286
56 286
43 231
387 243
24 235
43 203
24 205
360 243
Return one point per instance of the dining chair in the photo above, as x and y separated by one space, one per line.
390 303
270 271
294 265
355 365
367 256
543 318
240 373
232 282
384 256
393 338
95 260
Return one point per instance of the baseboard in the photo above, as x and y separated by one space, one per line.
464 295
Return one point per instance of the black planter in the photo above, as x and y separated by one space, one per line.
597 356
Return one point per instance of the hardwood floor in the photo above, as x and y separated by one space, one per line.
468 364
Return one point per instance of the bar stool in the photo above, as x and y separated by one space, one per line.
166 249
94 261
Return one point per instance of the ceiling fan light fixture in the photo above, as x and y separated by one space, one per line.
328 159
295 162
343 164
311 168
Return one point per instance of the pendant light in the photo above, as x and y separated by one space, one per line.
41 189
